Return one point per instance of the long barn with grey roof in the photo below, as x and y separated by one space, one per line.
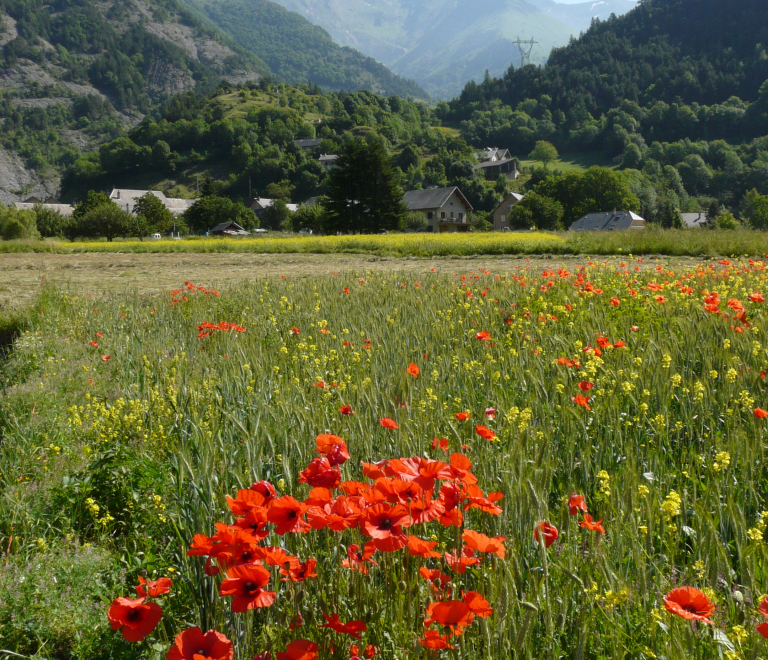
611 221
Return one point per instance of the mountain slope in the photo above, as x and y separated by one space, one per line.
444 43
73 74
298 51
692 51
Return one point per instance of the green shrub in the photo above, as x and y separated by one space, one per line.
53 604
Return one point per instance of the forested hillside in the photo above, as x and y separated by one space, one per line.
241 139
298 51
675 90
76 73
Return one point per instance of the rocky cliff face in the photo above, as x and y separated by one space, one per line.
74 77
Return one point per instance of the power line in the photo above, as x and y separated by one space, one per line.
525 46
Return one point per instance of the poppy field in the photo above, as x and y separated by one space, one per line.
543 462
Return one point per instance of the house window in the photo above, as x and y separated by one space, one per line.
442 215
461 217
451 214
503 219
430 215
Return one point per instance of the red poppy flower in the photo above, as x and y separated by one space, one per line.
245 584
294 331
94 343
135 618
357 559
352 628
434 640
106 358
576 503
345 290
286 514
484 432
463 416
320 474
299 649
548 532
420 548
581 400
760 413
483 336
413 370
154 587
763 629
590 524
689 603
460 563
333 448
756 298
440 442
438 579
585 386
192 644
661 299
479 605
490 413
370 651
298 571
384 524
346 410
455 614
615 301
483 543
763 607
388 423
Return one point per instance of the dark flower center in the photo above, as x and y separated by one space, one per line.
691 608
385 524
133 616
246 556
250 587
291 514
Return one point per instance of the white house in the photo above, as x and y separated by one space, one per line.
446 209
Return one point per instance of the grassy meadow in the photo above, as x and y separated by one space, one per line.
694 243
128 421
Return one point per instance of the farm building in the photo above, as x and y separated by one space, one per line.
126 200
610 221
229 229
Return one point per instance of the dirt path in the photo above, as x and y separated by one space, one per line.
22 275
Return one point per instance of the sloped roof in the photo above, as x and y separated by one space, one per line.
495 163
65 209
433 198
231 226
516 196
308 142
611 221
326 158
694 219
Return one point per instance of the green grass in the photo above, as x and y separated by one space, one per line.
692 243
134 455
576 162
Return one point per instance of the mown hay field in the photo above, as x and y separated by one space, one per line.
391 444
